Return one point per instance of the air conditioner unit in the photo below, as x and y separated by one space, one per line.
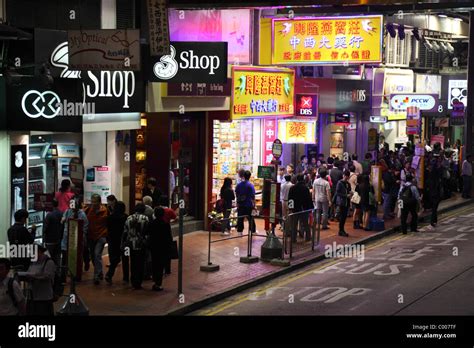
398 52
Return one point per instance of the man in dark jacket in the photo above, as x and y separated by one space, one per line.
299 200
53 232
388 183
18 234
153 191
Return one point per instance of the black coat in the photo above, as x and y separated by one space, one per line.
156 195
115 227
301 197
160 238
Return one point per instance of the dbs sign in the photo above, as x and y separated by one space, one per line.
306 105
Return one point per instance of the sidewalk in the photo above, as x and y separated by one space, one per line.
202 288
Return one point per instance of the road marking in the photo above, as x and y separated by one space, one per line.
232 303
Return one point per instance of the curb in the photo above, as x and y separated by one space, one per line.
267 277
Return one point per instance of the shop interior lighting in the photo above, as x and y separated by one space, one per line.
391 30
401 31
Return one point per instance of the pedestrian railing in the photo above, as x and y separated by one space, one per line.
288 236
295 224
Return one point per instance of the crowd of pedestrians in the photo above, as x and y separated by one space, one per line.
142 243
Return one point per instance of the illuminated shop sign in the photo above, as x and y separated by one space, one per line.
327 40
297 131
306 105
260 92
426 102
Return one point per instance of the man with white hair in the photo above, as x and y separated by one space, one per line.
148 201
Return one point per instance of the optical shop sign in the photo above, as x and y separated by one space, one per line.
327 40
260 92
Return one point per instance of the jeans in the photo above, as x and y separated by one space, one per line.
342 217
411 209
245 211
96 247
466 186
323 208
387 204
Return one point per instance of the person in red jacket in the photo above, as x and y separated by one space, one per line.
97 215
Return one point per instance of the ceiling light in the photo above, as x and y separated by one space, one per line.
457 19
442 16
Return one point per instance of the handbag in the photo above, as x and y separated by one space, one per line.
355 198
174 254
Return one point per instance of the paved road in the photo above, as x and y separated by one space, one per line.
426 273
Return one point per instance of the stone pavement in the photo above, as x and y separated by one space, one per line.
120 299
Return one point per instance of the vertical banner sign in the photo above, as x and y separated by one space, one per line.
269 131
158 27
413 120
18 166
457 115
74 247
372 141
376 177
327 40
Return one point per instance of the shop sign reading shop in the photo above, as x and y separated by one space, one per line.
260 92
327 40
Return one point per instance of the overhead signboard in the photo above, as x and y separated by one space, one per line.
378 119
327 40
104 49
191 62
425 102
353 95
261 92
297 131
306 105
158 27
457 92
413 120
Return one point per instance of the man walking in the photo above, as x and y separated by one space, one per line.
466 173
18 234
322 197
245 193
299 200
53 232
97 215
409 199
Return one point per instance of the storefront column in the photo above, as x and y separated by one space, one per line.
468 130
4 186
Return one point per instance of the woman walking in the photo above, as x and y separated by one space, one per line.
227 196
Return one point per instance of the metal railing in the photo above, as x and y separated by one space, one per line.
291 230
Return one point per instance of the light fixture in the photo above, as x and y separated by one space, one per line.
457 19
450 47
401 31
442 16
428 45
391 30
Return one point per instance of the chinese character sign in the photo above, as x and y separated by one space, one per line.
158 27
297 132
269 132
413 120
259 92
328 40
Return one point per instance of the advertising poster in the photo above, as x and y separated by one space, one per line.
98 180
327 40
413 120
259 92
19 162
457 93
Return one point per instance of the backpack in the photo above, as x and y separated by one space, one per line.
407 196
